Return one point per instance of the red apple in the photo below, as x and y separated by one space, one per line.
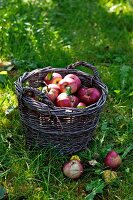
74 77
81 105
88 95
53 86
66 83
52 91
64 100
52 78
112 160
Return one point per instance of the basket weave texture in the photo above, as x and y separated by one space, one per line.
68 130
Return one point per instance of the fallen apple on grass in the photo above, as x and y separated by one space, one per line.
65 100
73 168
88 95
112 160
52 78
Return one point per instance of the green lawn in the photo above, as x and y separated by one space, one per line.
35 34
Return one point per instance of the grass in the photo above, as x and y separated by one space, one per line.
35 34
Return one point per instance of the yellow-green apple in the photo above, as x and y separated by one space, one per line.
74 77
81 105
88 95
66 83
65 100
52 78
52 91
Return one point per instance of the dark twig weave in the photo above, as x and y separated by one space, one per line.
69 130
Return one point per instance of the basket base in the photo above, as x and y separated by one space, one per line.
63 146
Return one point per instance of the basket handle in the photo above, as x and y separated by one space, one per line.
83 63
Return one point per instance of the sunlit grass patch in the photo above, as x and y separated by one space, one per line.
8 98
117 7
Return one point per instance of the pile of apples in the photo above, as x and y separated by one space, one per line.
68 91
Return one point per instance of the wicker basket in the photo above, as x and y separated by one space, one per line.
68 130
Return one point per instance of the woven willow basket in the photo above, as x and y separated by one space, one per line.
68 130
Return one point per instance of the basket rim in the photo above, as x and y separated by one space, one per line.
45 106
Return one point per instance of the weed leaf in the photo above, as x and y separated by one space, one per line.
127 151
95 187
90 196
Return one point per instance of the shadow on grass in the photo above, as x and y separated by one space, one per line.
94 33
60 32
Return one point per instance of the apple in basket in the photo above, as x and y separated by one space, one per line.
81 105
89 95
75 78
52 91
66 83
52 78
65 100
